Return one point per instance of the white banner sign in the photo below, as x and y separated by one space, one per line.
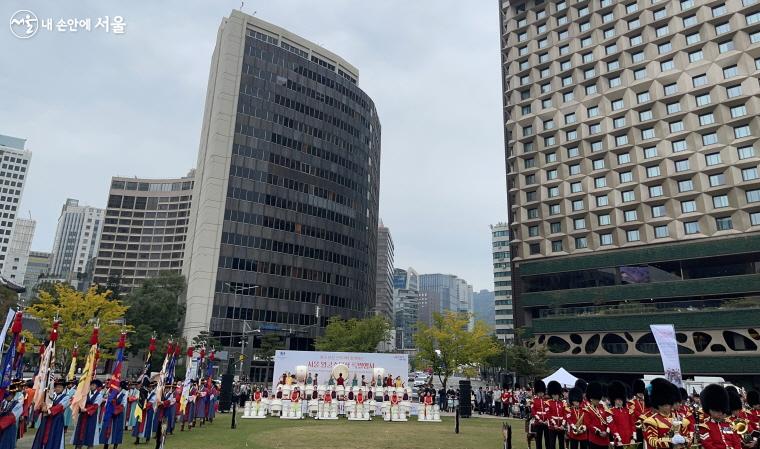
358 363
665 336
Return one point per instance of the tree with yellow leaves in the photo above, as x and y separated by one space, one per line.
78 313
449 347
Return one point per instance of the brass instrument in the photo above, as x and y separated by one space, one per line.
579 428
740 426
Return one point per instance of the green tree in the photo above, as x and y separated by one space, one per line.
526 357
155 307
353 335
270 343
78 313
204 337
447 346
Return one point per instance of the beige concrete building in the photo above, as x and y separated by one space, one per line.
145 230
631 133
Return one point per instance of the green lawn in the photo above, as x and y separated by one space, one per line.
270 433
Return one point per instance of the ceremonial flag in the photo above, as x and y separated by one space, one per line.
173 364
79 401
8 321
9 358
189 369
164 368
114 383
144 381
44 379
73 367
20 358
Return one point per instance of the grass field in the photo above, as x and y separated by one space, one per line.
270 433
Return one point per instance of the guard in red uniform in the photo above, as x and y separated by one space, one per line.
715 432
638 407
577 433
538 413
596 417
738 414
660 429
622 427
555 416
753 401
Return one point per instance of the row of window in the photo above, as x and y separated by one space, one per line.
245 289
295 272
618 104
632 24
634 235
577 205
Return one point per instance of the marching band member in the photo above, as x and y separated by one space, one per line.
715 432
622 427
638 408
86 432
662 429
682 410
739 417
555 416
596 417
538 411
50 432
577 435
753 401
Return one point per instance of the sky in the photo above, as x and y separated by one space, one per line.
93 105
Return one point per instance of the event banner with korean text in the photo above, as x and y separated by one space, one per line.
358 363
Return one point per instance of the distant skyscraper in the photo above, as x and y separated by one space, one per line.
144 231
18 250
502 282
407 304
13 173
76 240
37 264
445 285
284 217
483 307
384 278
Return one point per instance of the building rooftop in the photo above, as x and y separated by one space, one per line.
12 142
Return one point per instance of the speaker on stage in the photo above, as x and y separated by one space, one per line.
465 406
225 395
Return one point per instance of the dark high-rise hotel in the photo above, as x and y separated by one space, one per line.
631 131
283 226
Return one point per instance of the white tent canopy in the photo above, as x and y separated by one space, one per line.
564 378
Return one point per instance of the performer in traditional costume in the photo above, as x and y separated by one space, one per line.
538 413
427 408
715 432
189 416
86 432
144 428
112 432
170 408
555 416
295 401
50 432
11 409
622 427
71 389
577 435
133 395
596 417
662 430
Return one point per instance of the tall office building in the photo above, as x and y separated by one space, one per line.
18 250
384 277
407 303
38 264
144 231
446 288
76 240
13 173
284 217
483 307
502 282
632 171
